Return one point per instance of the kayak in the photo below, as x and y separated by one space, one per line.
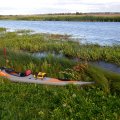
46 80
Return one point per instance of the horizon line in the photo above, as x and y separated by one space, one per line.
62 13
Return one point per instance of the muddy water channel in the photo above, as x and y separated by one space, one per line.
102 64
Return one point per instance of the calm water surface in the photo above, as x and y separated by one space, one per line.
103 33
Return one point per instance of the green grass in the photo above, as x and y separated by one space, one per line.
21 61
100 101
31 101
2 29
62 68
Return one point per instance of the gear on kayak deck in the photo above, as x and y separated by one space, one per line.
40 75
38 78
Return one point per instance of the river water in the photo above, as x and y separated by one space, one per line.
102 33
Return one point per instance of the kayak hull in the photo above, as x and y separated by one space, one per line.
45 80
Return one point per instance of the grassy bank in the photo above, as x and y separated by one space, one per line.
66 17
30 101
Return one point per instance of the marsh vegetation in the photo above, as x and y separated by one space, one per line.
100 100
31 101
66 17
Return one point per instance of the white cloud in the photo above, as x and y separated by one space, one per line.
52 6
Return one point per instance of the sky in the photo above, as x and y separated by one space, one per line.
19 7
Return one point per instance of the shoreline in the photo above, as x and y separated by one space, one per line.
88 17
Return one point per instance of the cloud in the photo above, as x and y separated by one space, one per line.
55 6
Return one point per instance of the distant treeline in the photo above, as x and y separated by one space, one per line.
102 17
